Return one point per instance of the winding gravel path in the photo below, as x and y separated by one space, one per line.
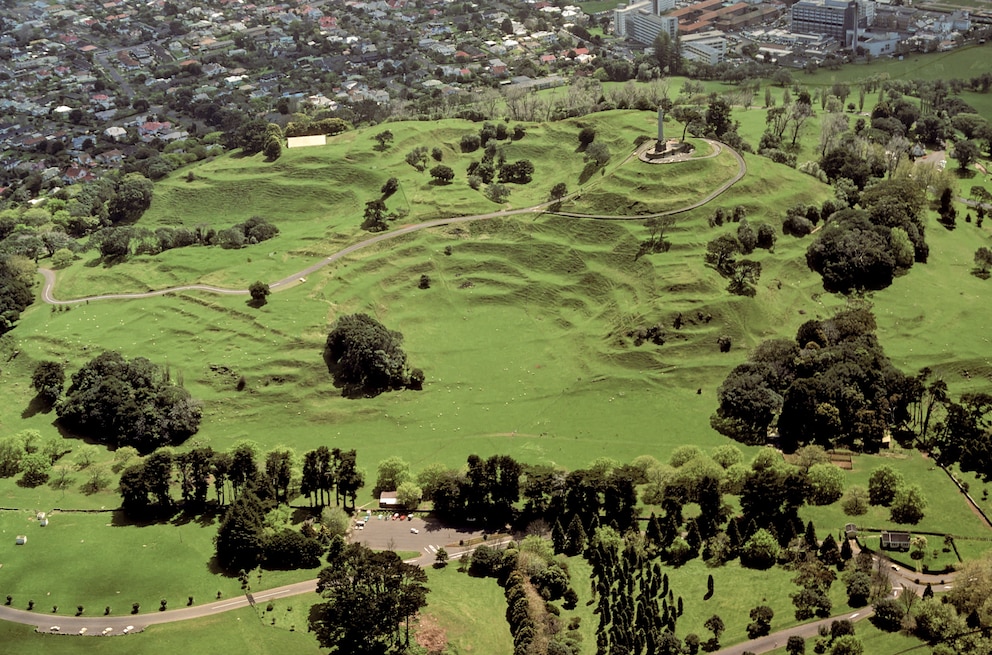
48 296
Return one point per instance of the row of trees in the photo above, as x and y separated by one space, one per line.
275 477
121 241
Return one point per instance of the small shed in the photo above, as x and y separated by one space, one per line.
895 540
388 500
21 539
851 531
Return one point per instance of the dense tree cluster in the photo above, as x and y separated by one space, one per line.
253 486
244 542
122 241
368 596
638 610
964 435
832 385
132 196
365 357
864 248
16 276
123 402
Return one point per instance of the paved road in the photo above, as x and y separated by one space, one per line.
48 296
95 625
778 639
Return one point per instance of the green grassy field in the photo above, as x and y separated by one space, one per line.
522 335
962 63
242 631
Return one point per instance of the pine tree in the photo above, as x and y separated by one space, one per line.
693 538
846 553
576 537
829 553
811 541
734 536
653 534
928 592
558 538
669 530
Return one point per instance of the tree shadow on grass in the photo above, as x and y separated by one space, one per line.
36 406
204 517
301 514
154 516
214 567
587 172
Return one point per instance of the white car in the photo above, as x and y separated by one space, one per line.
107 631
54 628
82 631
414 530
128 629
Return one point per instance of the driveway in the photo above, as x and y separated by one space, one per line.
382 532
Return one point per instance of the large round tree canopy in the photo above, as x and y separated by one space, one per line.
365 356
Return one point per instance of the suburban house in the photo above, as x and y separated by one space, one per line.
892 540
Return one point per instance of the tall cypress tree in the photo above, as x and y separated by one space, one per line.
239 538
810 537
558 538
576 537
846 552
653 534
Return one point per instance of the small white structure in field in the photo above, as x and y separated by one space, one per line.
21 540
42 519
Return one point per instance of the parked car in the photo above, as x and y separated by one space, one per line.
414 530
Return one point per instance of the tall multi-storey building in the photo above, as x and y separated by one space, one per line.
642 21
839 19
